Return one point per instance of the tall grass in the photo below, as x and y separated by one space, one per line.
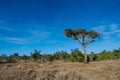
58 70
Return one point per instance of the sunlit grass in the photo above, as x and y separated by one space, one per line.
58 70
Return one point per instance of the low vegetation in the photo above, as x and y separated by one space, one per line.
74 56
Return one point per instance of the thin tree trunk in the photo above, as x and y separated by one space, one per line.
85 55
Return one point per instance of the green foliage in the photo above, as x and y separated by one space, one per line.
15 57
49 57
25 57
57 55
116 53
93 56
12 58
72 59
105 55
74 56
82 36
35 55
3 58
61 55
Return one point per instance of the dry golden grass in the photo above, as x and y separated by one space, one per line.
58 70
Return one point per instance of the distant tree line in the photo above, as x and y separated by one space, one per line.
74 56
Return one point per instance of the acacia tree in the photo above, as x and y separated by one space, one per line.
83 37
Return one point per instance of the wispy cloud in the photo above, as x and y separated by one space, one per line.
118 35
100 28
33 37
6 29
108 30
14 40
108 35
114 26
52 41
37 33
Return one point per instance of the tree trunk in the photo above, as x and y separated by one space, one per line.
85 55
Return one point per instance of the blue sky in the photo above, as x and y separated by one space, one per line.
26 25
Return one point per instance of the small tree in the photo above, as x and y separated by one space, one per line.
76 55
49 57
25 57
3 58
82 36
36 55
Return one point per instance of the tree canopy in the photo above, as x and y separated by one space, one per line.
83 36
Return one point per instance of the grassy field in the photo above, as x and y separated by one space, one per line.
58 70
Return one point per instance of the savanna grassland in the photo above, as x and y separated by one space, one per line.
60 70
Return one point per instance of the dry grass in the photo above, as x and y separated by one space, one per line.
58 70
